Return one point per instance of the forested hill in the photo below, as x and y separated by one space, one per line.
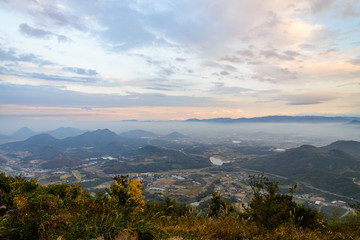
335 167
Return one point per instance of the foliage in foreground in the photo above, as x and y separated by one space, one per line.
269 209
31 211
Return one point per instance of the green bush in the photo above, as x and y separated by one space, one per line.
270 209
219 207
168 208
31 211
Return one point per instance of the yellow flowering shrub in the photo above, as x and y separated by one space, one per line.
134 190
127 193
117 186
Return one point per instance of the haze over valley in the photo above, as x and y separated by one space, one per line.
188 160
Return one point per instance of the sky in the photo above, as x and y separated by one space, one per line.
113 60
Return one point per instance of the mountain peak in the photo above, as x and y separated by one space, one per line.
350 147
151 150
95 138
100 133
307 147
175 135
354 122
105 130
34 141
23 132
42 135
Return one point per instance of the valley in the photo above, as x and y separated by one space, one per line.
189 169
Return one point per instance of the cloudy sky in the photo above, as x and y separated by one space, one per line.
162 60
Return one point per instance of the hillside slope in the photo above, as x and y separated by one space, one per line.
327 168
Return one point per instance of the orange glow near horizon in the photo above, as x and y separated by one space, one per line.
138 113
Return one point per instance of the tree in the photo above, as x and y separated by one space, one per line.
219 207
269 209
127 194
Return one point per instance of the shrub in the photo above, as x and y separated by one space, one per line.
219 207
168 208
127 194
269 209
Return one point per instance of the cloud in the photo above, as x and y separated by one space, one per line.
51 96
291 53
40 33
308 46
3 70
81 71
287 55
34 32
318 6
240 56
225 67
51 13
125 28
210 29
173 47
10 55
308 99
167 71
349 9
180 59
133 24
86 75
295 97
285 33
232 59
221 89
339 8
355 61
269 73
354 74
246 53
56 78
163 86
164 68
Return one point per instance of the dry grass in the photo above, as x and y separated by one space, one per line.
232 228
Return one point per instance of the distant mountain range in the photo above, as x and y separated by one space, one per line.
60 133
354 122
95 139
335 167
71 151
66 132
